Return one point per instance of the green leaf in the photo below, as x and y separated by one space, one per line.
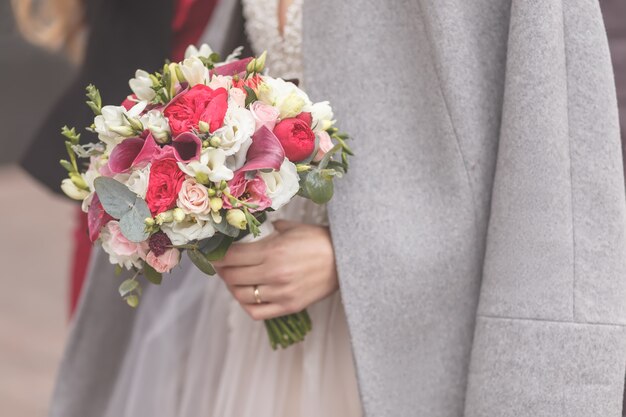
152 275
318 187
121 203
128 286
220 251
200 261
326 159
95 101
132 300
210 244
118 270
225 228
250 96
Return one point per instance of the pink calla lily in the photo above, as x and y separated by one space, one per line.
266 152
96 218
232 68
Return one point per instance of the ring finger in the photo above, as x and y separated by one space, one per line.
246 294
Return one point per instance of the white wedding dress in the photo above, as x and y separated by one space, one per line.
194 352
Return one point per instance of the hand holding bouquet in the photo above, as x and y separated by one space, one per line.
194 159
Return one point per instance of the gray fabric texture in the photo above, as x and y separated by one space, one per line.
487 182
479 235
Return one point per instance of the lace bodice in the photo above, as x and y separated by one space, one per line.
284 59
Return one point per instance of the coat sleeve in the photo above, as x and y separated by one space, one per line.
549 337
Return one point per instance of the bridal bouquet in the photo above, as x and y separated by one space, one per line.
193 160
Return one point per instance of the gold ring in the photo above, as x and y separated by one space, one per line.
257 295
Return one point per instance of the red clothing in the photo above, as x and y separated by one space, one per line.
189 21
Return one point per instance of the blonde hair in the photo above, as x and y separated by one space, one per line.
57 25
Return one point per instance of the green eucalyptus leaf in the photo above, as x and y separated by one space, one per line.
318 187
152 275
225 228
128 286
209 244
200 261
219 252
121 203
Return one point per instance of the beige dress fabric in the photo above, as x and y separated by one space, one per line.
195 352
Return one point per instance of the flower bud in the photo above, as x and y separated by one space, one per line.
202 178
72 191
260 62
135 124
78 181
251 66
179 74
223 185
149 221
178 214
216 203
161 137
211 192
165 217
302 167
125 131
215 141
203 126
236 218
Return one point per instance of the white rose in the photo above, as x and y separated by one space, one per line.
111 125
157 124
205 51
322 115
193 198
284 95
184 232
194 71
282 185
142 86
211 166
236 134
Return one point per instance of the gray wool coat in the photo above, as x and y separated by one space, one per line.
480 235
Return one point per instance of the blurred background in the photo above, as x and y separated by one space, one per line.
36 251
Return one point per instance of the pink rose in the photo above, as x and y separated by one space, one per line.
121 250
253 191
193 198
264 115
325 145
238 97
164 262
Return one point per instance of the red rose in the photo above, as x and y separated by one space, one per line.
198 103
305 117
163 185
297 138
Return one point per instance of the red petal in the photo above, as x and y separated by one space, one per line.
96 218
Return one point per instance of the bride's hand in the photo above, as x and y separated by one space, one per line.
293 268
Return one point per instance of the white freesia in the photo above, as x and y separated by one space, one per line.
183 232
194 71
211 166
72 191
322 115
205 51
281 185
111 123
236 134
284 95
142 86
220 81
234 55
157 124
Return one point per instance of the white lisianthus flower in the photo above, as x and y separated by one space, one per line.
142 86
236 134
157 124
182 232
211 166
194 71
220 81
322 115
284 95
281 185
205 51
72 191
137 181
112 126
